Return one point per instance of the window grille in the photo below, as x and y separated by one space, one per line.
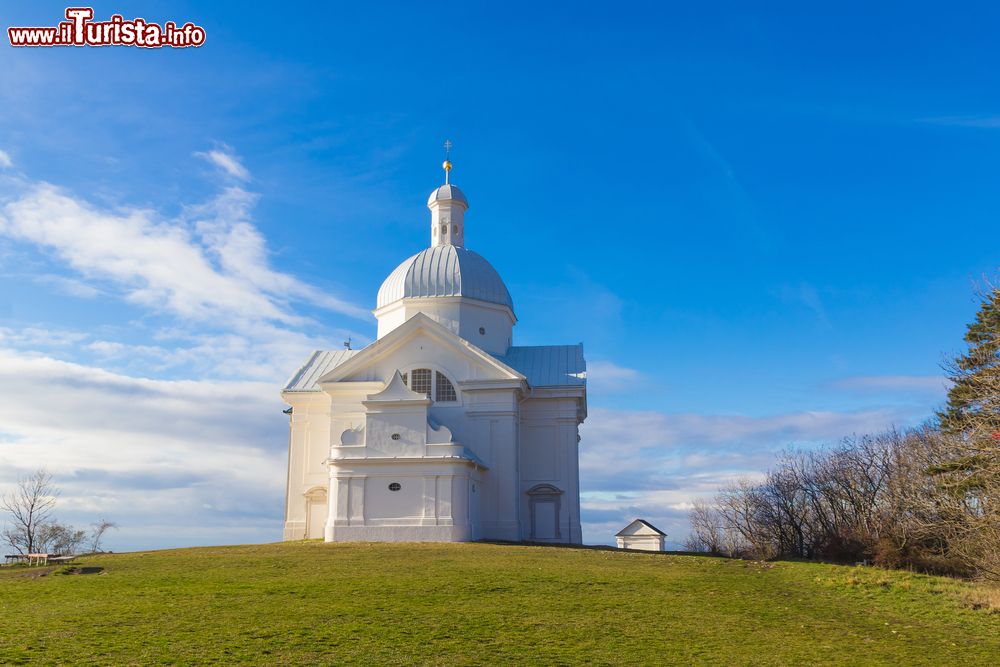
445 390
421 381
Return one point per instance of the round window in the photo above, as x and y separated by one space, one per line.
482 331
395 486
394 436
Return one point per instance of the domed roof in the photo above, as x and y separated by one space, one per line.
448 192
445 270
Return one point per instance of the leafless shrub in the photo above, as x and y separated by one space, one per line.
868 499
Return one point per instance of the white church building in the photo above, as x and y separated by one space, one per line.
442 429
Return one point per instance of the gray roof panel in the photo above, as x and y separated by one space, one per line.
319 364
444 270
548 365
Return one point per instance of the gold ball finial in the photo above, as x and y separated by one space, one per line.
446 165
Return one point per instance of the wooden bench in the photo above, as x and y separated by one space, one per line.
38 559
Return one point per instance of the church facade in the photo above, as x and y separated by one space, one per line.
442 429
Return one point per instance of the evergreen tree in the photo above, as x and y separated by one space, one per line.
966 466
973 407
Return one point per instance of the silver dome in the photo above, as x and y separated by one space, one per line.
445 270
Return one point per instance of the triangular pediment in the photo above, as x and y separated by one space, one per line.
422 326
639 527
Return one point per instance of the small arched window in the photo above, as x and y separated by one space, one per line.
436 384
444 229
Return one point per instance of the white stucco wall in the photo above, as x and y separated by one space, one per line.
524 438
641 542
463 317
549 445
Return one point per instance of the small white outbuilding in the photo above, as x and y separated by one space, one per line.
641 535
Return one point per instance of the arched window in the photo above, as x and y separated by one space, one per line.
444 389
436 384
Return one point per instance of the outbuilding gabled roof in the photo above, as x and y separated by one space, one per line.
625 532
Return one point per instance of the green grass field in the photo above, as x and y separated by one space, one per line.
313 603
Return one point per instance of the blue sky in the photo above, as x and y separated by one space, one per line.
764 224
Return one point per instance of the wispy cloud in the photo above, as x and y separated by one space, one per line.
70 286
5 161
806 295
39 338
225 159
209 265
606 376
158 263
933 385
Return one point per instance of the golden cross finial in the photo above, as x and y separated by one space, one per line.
447 159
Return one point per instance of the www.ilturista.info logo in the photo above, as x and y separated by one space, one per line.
80 30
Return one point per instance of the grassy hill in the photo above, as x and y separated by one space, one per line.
308 602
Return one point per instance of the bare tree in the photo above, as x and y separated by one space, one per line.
29 509
707 535
57 538
745 520
97 534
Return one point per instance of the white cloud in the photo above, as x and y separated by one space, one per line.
149 454
226 160
158 263
636 463
5 161
174 461
268 354
224 227
223 310
606 376
213 268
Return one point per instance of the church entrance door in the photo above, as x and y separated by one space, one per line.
544 502
316 512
